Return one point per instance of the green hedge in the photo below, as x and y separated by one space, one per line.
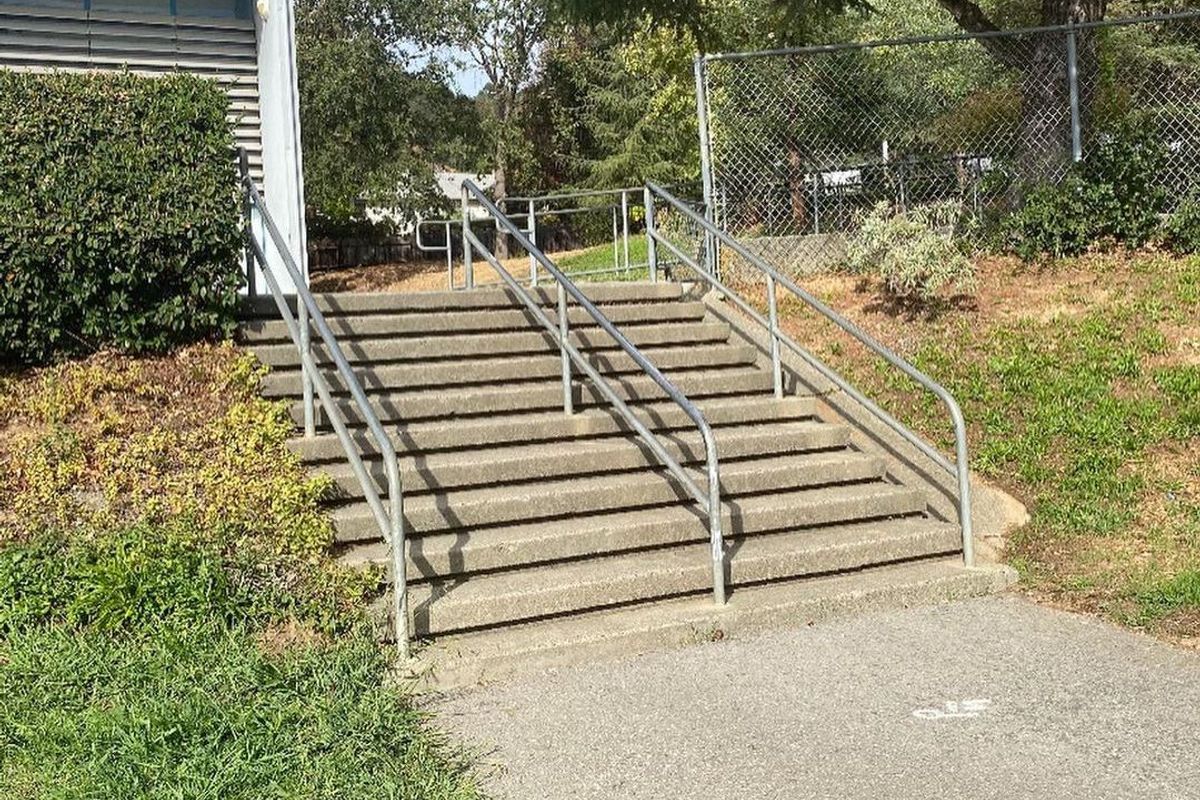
119 213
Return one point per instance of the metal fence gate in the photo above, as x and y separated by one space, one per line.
797 143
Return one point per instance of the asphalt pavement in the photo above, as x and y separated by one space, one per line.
990 698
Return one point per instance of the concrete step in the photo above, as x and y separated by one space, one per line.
512 370
439 472
555 426
334 304
562 588
543 396
535 542
459 661
460 322
423 348
469 508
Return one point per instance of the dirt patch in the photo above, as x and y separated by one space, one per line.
424 276
279 637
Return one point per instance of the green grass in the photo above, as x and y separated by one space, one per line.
1091 421
600 257
175 627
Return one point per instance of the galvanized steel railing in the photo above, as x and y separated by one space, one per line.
708 499
713 233
389 517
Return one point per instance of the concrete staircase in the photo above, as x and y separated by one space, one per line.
537 538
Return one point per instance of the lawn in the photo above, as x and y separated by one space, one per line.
171 624
1081 385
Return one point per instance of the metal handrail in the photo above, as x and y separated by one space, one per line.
709 501
448 248
959 467
390 519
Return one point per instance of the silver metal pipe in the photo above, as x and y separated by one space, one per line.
961 468
625 226
468 267
532 224
710 501
773 329
699 68
564 335
651 245
1073 84
306 379
390 520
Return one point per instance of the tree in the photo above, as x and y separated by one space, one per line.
1042 62
373 128
503 39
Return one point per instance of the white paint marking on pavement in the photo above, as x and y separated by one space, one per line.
955 709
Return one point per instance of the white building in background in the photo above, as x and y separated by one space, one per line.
449 185
248 49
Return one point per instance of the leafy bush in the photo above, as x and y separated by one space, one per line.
1181 230
119 214
914 251
1113 195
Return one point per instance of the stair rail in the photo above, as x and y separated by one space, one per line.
709 500
959 467
389 517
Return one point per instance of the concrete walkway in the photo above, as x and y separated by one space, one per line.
991 698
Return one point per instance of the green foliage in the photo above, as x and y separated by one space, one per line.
375 127
914 251
167 631
1165 596
167 711
1181 230
119 213
1114 195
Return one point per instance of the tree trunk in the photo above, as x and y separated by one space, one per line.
797 190
499 192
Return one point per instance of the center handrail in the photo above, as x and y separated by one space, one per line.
390 519
710 500
959 467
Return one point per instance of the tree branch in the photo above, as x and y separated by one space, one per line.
972 19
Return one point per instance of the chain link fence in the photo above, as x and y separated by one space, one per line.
797 144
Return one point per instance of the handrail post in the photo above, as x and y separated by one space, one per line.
468 267
773 330
616 237
563 334
625 226
651 244
449 257
533 270
306 378
716 537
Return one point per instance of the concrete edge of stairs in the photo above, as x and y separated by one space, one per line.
460 662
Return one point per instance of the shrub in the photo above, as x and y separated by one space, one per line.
119 214
1181 230
914 251
1113 195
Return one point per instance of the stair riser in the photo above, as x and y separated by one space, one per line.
425 515
541 397
379 351
505 371
433 437
363 303
355 328
441 556
682 577
620 456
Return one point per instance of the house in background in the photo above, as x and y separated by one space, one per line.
248 48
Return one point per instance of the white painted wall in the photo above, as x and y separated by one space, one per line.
280 108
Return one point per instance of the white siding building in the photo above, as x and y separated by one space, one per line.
250 50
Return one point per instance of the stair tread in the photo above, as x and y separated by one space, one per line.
557 426
463 659
514 370
623 568
584 494
589 448
433 349
629 528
